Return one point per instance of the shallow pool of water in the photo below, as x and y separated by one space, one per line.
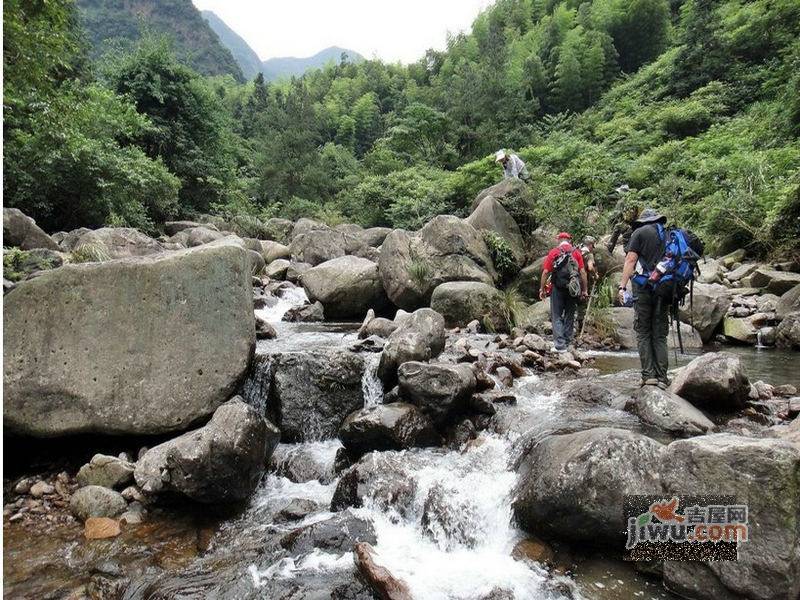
771 365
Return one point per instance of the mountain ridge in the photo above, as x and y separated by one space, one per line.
195 42
247 59
287 66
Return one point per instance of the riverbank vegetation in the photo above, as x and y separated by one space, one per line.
695 104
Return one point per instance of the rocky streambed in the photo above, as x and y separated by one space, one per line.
449 521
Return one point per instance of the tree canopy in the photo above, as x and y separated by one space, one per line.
693 103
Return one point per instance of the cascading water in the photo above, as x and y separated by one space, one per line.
287 299
451 540
255 389
455 539
760 339
371 385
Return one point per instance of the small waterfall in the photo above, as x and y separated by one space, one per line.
287 299
760 339
255 389
371 385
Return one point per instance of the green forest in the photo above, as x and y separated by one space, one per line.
695 104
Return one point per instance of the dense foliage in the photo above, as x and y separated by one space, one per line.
693 103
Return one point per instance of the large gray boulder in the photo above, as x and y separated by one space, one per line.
394 426
509 192
711 271
491 216
347 287
173 227
143 345
220 462
379 326
788 303
445 249
420 336
337 534
306 225
120 242
787 335
441 391
744 329
272 251
715 381
277 269
664 410
318 245
313 392
775 282
528 280
764 474
461 302
741 271
67 241
198 236
374 236
573 486
281 229
710 303
22 231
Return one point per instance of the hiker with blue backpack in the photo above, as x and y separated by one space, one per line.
661 263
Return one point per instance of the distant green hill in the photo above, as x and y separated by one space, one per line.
275 68
113 21
244 55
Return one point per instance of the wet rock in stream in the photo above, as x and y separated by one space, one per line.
394 426
221 462
572 486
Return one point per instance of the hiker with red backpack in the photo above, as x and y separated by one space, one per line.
661 264
568 285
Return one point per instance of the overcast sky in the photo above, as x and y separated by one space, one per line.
389 29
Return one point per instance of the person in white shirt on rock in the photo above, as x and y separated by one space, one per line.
513 167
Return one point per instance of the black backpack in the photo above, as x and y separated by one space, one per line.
566 273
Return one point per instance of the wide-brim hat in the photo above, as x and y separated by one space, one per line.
650 215
499 156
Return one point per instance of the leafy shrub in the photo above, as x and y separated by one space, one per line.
511 306
419 270
502 256
405 199
73 166
89 252
249 226
13 260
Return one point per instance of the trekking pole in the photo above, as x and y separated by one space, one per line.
586 315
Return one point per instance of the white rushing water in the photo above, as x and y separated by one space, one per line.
455 542
287 299
371 385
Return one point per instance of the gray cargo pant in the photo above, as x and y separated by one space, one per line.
651 323
562 316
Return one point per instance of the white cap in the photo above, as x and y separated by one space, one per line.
499 155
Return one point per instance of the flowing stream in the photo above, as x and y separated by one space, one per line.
453 537
449 537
